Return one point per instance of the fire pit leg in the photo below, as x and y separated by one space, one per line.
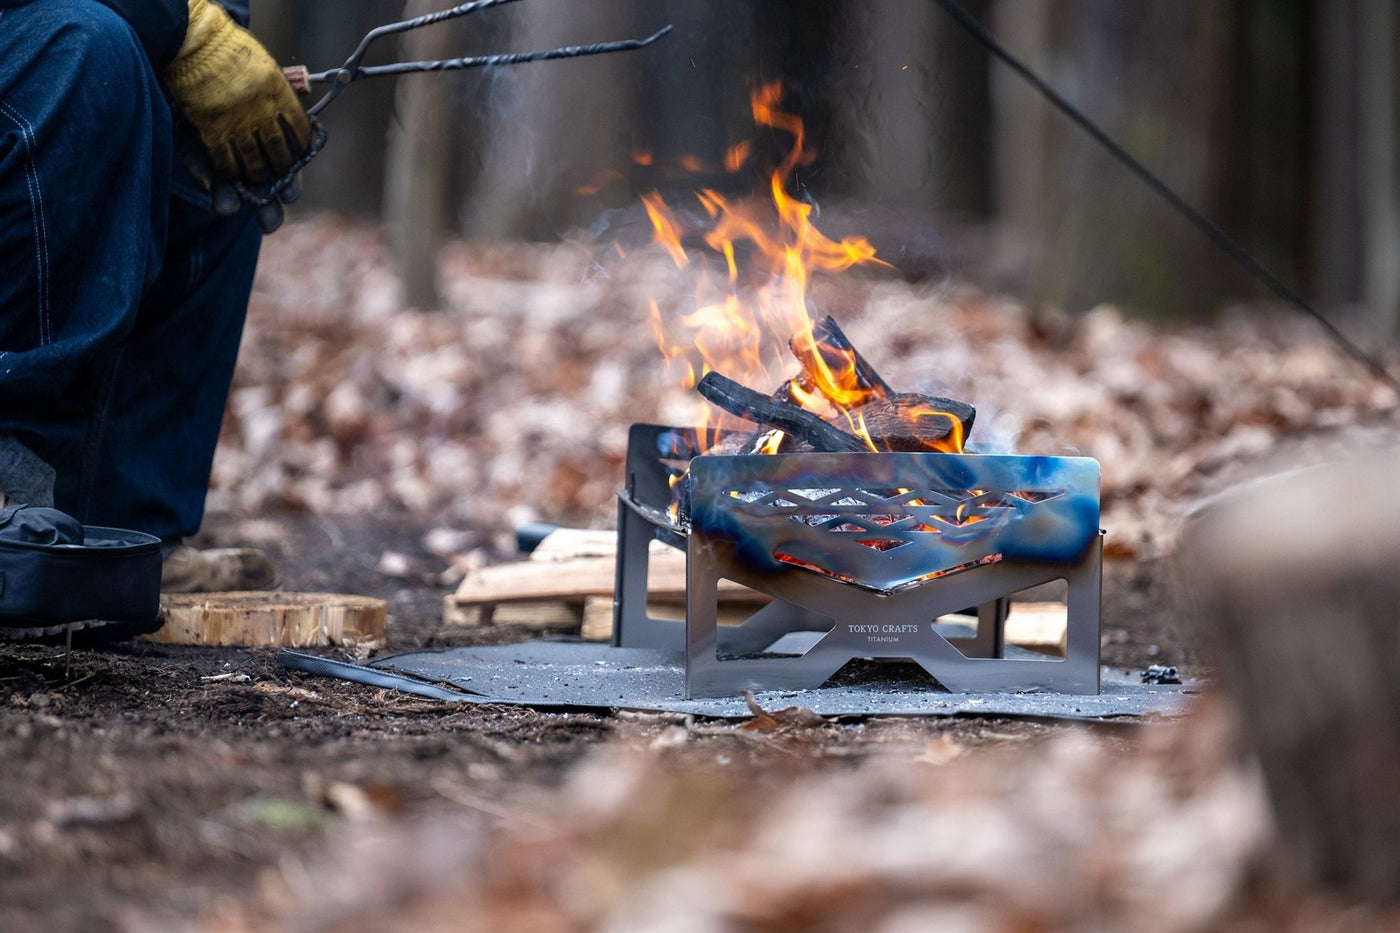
767 625
1084 601
707 675
632 626
895 626
990 640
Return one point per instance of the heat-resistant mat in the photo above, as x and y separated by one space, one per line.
585 675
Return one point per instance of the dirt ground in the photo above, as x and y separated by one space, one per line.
156 783
156 787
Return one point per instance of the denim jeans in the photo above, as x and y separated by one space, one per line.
122 297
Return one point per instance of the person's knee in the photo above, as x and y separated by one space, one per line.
78 88
86 47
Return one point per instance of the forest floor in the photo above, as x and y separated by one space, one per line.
385 452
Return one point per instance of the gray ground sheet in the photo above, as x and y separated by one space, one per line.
584 675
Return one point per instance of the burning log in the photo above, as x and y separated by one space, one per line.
914 423
763 409
894 422
835 368
837 354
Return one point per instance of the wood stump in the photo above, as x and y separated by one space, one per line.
270 619
1299 585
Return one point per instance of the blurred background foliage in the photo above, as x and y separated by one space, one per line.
1277 118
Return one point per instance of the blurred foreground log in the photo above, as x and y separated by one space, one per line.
1299 578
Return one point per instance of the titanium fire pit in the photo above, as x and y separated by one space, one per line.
868 550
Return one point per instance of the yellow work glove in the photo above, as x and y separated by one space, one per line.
231 91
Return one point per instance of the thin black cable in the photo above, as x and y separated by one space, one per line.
1218 236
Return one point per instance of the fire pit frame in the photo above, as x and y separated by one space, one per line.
792 526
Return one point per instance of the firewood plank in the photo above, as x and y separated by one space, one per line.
1040 627
536 616
533 580
569 543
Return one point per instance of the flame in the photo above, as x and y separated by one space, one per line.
953 443
736 156
751 311
772 442
667 228
598 182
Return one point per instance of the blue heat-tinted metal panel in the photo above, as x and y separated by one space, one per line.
892 520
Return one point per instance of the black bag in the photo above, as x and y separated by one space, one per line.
59 576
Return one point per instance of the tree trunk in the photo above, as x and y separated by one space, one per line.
552 127
418 164
1156 77
1335 197
1380 162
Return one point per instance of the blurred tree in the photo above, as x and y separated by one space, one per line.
550 126
1080 230
417 169
348 174
1278 118
1380 159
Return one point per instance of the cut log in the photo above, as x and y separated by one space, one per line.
270 619
1298 592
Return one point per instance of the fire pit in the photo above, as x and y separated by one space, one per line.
850 504
867 551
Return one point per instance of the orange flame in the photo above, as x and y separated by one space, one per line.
953 443
668 230
736 156
747 324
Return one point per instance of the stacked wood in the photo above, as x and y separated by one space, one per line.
569 580
1038 627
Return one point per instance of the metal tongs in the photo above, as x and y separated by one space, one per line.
302 79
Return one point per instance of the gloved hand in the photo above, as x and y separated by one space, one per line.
245 113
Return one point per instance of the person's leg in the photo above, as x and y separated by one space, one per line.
152 441
120 349
85 148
